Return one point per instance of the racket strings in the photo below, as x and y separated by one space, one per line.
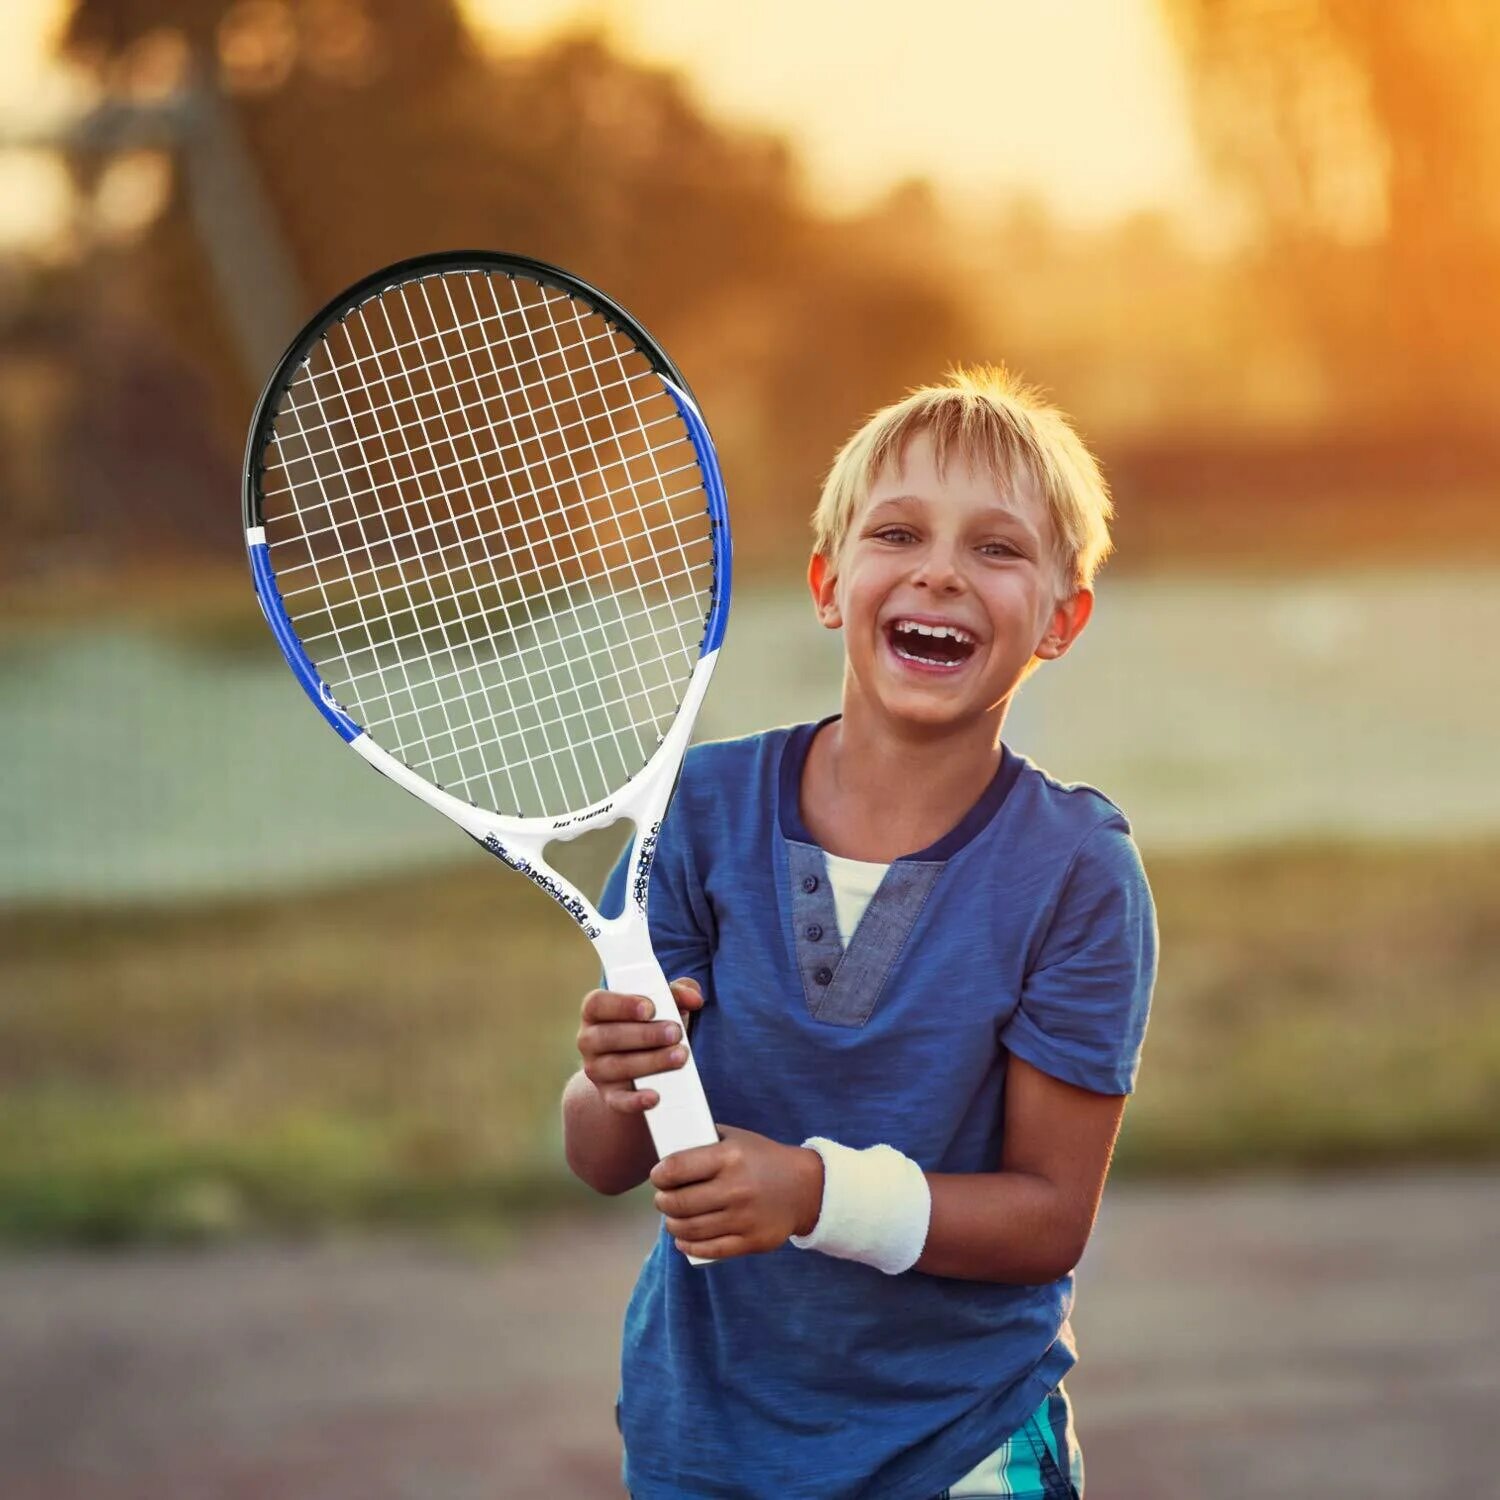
596 377
512 634
668 659
568 455
639 656
439 574
466 699
525 636
568 741
445 702
419 423
442 493
321 479
450 519
581 739
337 371
510 323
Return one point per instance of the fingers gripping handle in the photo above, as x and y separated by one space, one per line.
680 1118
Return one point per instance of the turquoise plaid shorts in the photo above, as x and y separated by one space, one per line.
1041 1460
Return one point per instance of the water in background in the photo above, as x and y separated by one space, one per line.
1215 711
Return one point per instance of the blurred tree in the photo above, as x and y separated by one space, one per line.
1366 139
380 129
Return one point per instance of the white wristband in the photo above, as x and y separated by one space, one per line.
876 1207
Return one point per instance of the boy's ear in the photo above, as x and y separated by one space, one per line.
1069 617
820 581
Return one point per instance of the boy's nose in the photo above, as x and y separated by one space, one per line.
938 570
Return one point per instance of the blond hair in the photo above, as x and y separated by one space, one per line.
991 418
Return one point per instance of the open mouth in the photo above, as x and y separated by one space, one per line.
941 646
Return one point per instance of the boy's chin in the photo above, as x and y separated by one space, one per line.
943 705
931 711
928 702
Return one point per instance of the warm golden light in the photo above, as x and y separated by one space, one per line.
1080 101
35 199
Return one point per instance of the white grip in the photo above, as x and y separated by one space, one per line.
680 1119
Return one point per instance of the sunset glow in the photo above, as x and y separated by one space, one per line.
1080 101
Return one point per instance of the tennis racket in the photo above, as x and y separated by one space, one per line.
487 527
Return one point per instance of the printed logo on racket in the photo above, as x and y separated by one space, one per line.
583 817
643 870
541 879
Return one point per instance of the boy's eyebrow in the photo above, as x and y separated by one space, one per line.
1000 512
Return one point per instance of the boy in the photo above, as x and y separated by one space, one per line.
919 972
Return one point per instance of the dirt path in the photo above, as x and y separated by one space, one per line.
1324 1339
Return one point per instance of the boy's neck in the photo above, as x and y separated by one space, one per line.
871 792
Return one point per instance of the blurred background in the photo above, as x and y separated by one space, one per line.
251 1000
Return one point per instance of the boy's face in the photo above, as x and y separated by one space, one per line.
946 587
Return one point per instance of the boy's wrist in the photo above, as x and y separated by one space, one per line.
876 1206
810 1196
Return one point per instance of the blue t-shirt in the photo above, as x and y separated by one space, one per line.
1027 929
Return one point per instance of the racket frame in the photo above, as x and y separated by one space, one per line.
681 1119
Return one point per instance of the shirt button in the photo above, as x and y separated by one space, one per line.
824 976
814 933
809 883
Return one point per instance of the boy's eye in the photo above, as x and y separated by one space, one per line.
1001 549
893 533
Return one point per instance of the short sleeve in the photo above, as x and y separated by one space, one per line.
677 909
1086 999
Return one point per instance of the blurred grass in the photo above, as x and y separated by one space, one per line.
1322 1006
393 1054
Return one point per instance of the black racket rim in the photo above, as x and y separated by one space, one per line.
414 269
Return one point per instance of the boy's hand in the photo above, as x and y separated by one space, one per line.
745 1195
618 1046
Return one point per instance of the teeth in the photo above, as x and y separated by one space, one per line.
952 632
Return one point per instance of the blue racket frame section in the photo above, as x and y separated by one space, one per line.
718 515
291 648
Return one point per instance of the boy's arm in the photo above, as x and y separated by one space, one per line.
1029 1222
1026 1224
606 1139
1082 1014
611 1152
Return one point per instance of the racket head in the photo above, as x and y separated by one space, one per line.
487 526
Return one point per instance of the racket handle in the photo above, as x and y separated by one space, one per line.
680 1119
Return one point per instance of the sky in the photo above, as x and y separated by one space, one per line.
24 29
33 190
1079 101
